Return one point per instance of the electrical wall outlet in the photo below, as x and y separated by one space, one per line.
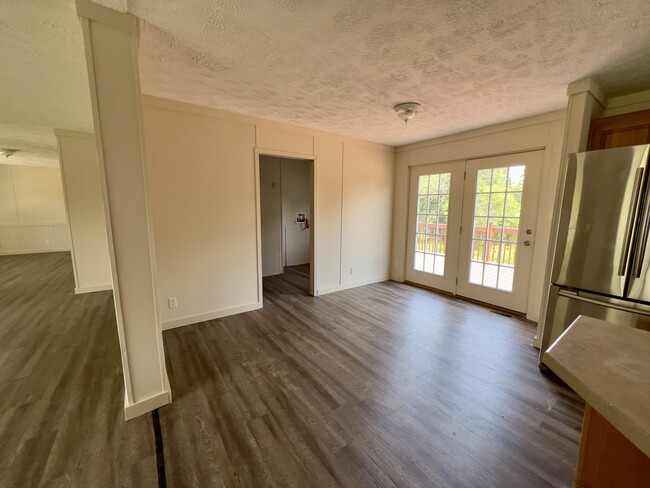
352 270
172 302
47 242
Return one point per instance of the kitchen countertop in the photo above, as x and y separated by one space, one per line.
608 365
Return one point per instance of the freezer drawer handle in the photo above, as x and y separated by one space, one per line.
574 296
622 265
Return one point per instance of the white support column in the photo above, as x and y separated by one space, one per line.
586 101
111 43
83 202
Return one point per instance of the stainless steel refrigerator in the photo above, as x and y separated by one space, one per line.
601 262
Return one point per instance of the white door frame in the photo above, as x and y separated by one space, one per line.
313 223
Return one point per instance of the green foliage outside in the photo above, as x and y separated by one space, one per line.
497 213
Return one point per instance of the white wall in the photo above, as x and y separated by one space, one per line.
540 132
82 190
366 223
296 198
201 164
32 210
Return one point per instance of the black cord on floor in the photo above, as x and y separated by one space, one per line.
160 456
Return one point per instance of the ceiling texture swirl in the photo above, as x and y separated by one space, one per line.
338 66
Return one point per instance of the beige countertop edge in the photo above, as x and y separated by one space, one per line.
625 425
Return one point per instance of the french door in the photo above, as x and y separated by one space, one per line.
434 222
501 198
484 249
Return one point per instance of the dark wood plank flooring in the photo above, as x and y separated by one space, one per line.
383 385
61 387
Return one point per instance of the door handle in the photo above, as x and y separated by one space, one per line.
631 213
643 234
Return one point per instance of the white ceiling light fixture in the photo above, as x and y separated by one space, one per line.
6 152
406 111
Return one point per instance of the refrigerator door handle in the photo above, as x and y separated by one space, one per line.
622 265
643 234
575 296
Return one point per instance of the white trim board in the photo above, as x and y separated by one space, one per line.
91 289
35 251
145 406
351 284
195 319
29 224
486 131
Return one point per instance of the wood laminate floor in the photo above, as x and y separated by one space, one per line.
61 389
383 385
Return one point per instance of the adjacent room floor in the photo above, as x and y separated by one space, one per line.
61 388
384 385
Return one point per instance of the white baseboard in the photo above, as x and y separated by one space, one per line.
34 251
194 319
352 284
144 406
91 289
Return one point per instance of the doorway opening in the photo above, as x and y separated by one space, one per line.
286 228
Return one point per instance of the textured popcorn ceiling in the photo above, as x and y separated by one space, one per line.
43 80
333 65
340 65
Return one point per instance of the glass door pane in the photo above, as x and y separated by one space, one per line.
432 220
497 214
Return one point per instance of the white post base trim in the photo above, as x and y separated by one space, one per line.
140 408
91 289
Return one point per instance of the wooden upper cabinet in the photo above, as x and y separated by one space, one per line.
620 130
